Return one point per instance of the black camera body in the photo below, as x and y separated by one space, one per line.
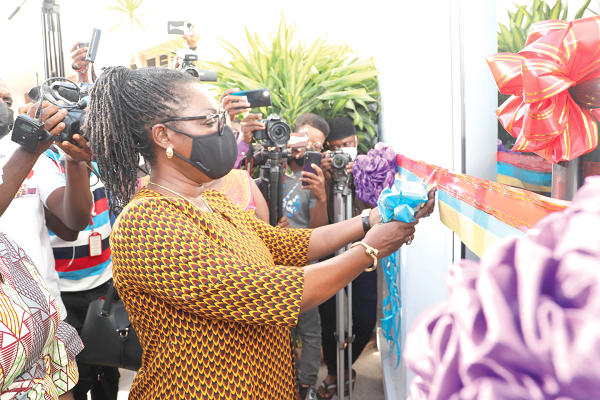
339 160
187 63
29 132
277 132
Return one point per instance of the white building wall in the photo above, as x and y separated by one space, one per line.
439 100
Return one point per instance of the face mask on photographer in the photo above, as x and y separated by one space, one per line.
7 119
213 154
351 151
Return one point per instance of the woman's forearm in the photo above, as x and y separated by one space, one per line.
330 238
323 280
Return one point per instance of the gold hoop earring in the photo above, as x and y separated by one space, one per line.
169 152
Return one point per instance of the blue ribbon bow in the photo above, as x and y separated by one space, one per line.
398 203
401 201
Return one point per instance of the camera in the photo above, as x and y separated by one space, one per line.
276 133
340 158
29 132
187 59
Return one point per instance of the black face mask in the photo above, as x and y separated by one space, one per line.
213 154
300 161
7 119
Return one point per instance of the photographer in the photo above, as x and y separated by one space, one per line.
32 184
29 185
84 276
342 135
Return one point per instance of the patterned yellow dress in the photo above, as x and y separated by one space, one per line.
211 296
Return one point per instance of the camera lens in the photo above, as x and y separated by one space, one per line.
279 133
339 161
192 72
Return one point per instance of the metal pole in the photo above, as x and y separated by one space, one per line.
45 47
273 192
567 177
339 211
350 336
61 60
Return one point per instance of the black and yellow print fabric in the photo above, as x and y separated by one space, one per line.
211 296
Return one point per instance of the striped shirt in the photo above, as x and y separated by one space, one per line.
77 270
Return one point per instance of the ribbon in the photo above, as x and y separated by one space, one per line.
398 203
541 113
390 323
401 201
479 211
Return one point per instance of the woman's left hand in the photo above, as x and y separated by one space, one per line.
428 207
375 217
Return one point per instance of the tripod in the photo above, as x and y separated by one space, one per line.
342 208
272 174
54 64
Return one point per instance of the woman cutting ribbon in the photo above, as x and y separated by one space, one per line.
211 290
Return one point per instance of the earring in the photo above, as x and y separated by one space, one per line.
169 152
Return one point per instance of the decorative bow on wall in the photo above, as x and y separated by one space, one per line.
555 86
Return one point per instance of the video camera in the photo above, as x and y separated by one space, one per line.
30 132
187 59
277 132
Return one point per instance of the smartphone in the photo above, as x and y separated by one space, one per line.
312 157
180 28
256 98
93 46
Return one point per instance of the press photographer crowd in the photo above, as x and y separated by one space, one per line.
149 226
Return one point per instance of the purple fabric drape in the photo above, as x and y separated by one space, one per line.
524 323
374 172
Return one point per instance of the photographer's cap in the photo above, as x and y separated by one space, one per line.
340 128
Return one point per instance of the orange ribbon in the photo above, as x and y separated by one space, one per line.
541 113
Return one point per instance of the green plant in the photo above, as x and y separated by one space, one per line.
326 79
130 8
512 38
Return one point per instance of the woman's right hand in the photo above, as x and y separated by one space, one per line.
388 237
52 116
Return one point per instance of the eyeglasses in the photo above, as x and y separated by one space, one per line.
316 146
221 119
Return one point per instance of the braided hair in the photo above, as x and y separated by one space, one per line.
124 104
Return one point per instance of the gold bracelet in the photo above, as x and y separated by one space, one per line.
370 252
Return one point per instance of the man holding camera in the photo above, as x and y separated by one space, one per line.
31 185
343 136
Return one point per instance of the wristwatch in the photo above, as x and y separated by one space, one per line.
370 252
366 222
193 47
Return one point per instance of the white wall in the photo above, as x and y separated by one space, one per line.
439 100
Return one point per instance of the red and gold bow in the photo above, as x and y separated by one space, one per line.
554 84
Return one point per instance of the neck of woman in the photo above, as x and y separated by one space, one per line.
177 182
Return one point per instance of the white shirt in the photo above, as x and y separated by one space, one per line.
24 221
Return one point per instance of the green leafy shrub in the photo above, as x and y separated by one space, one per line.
326 79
